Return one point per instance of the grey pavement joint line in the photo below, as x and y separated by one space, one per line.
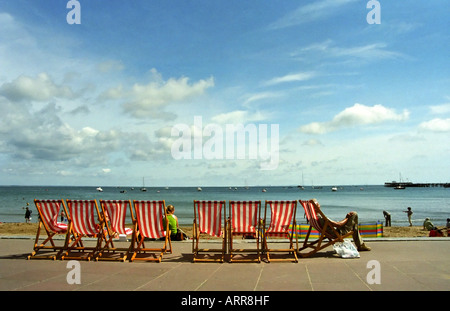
159 276
356 274
202 283
309 278
258 279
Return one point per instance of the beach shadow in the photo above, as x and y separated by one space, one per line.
15 256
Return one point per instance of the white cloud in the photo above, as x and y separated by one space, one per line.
368 52
436 125
310 12
440 109
41 88
356 115
149 100
295 77
238 117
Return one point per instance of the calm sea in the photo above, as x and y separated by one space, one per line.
368 201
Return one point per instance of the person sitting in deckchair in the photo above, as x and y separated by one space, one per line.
349 223
176 234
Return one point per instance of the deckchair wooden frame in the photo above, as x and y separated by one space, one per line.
141 232
327 231
114 214
48 212
279 226
81 227
207 213
252 228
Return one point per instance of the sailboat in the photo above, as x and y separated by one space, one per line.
143 185
400 186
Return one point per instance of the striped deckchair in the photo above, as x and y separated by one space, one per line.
148 224
209 218
49 211
244 220
114 214
325 226
83 229
282 214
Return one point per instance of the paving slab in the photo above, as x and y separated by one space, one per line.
411 265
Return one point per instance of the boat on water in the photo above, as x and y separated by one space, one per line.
99 189
199 188
143 189
334 188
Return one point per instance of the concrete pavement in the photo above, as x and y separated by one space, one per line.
400 265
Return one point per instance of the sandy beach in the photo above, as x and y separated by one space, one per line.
24 229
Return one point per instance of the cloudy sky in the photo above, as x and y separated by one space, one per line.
102 102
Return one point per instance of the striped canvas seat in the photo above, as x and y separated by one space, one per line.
81 215
282 214
244 220
114 214
48 210
148 224
208 220
323 225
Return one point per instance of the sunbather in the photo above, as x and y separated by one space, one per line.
350 223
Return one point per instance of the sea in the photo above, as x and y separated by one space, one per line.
368 200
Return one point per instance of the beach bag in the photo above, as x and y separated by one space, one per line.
346 249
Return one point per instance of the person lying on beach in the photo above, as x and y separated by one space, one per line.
350 223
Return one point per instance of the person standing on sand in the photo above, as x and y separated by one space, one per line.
409 213
27 215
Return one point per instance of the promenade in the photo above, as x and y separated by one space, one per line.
405 265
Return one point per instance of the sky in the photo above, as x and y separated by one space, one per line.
110 92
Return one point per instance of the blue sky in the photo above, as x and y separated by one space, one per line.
95 103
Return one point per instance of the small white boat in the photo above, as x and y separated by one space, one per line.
199 189
143 189
99 189
264 190
334 189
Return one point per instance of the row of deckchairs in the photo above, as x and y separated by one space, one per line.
91 230
244 219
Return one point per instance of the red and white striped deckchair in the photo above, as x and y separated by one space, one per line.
282 214
244 220
82 225
325 227
114 214
48 210
209 218
148 224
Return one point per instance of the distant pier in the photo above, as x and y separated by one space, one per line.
411 184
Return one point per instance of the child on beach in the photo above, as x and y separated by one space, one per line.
409 213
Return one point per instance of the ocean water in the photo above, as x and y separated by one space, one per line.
368 201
